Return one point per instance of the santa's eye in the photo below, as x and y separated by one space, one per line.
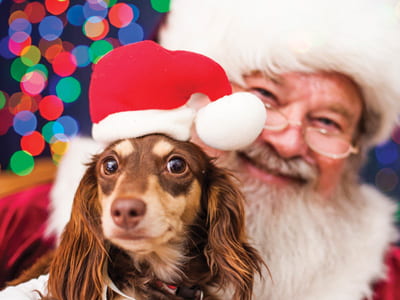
110 165
176 165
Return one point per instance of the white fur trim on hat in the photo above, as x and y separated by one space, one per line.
127 124
359 38
232 122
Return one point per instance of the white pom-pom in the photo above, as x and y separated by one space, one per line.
232 122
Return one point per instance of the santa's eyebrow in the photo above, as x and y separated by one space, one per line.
341 110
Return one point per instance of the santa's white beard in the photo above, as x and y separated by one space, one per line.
314 247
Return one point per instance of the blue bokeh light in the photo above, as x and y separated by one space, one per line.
50 28
20 25
95 9
130 34
70 126
387 153
24 122
75 15
82 56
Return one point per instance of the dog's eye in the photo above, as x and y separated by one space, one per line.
176 165
110 166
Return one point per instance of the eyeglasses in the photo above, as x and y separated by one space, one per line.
320 140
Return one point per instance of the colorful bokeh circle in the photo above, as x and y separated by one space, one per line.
22 163
25 122
68 89
33 143
51 107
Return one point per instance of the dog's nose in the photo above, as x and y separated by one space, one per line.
127 213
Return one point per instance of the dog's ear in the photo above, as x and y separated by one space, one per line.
76 271
231 259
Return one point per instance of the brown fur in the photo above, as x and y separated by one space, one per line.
40 267
212 245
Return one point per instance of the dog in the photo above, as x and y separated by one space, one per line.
154 218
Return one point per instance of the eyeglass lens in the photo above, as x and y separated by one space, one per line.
319 141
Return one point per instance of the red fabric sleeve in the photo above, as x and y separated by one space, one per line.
23 218
390 288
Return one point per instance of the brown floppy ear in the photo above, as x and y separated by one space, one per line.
76 271
231 259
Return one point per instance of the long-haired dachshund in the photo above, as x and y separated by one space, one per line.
154 218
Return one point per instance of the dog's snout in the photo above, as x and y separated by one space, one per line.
127 213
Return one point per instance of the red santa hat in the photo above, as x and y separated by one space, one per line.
142 88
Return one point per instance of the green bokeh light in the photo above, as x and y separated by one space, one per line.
18 69
3 99
98 49
22 163
110 2
68 89
161 6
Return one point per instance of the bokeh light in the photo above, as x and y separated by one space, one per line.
33 83
20 102
50 28
20 25
35 12
33 143
96 28
98 49
136 12
64 64
75 15
51 107
30 55
81 54
6 121
25 122
39 68
131 34
51 129
160 5
18 41
68 89
56 7
18 69
387 153
59 147
386 179
95 8
3 99
121 15
22 163
18 14
70 126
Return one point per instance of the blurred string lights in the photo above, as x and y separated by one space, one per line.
44 62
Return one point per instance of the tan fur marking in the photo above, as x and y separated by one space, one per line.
162 148
125 148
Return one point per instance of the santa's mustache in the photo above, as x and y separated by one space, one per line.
264 157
